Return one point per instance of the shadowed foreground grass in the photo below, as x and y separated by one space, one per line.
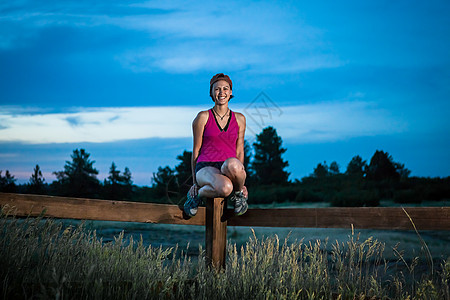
39 259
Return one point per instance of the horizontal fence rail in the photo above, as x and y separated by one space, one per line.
92 209
424 218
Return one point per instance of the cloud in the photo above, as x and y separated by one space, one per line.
321 122
176 37
333 121
191 57
96 125
8 155
73 121
260 37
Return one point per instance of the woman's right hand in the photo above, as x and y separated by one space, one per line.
193 191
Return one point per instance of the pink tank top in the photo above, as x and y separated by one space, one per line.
218 145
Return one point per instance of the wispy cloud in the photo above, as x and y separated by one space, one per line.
176 37
260 37
96 125
8 155
328 121
333 121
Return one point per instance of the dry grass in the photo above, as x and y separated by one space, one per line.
40 259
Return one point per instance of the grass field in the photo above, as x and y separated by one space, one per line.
47 259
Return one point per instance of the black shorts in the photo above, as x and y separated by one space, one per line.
202 164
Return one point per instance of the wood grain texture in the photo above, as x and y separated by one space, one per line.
216 233
425 218
91 209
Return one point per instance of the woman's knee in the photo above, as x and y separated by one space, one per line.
224 188
233 166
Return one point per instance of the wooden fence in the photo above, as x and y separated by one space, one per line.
216 217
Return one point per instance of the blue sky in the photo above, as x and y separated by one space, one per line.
125 79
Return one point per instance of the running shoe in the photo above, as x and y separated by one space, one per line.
191 205
240 203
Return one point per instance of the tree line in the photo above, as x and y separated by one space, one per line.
78 179
361 184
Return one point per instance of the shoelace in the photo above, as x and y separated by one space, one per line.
239 199
194 202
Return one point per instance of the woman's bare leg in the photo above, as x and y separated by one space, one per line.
213 183
234 169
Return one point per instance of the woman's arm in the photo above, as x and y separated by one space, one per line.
198 126
240 118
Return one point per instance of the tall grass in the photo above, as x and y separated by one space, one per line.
39 259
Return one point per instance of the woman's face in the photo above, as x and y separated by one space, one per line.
221 92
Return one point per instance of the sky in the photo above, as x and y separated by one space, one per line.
124 80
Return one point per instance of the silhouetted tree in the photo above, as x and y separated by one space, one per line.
250 179
127 184
382 167
247 155
127 177
321 170
114 177
356 167
401 170
334 168
7 183
79 176
36 184
184 171
164 182
267 163
116 186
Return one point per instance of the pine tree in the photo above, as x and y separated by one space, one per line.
356 167
114 177
127 177
321 170
247 156
112 183
184 170
79 178
250 173
127 184
267 163
401 170
36 183
7 183
116 186
334 168
382 167
164 183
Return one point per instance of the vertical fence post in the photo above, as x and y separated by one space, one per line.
216 232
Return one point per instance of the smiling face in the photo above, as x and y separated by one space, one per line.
221 92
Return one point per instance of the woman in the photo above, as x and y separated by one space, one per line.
218 153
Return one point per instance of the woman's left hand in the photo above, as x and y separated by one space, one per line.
193 191
245 191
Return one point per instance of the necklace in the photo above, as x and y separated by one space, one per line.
221 117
